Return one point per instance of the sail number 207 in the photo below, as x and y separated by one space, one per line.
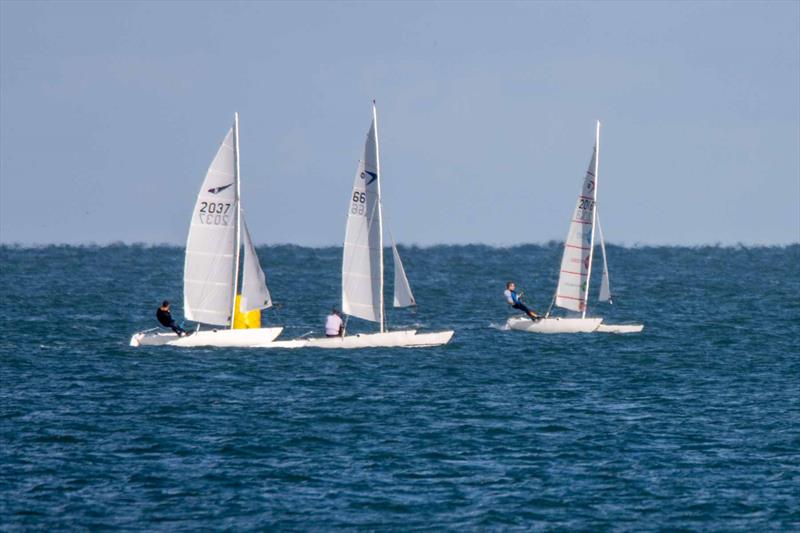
358 207
215 213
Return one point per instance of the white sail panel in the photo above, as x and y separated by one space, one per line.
362 261
255 294
402 290
208 272
605 283
577 258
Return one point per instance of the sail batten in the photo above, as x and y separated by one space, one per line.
209 260
362 259
576 263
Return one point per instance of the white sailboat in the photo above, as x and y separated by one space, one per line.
362 263
572 292
212 263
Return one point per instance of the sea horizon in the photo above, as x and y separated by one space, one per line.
541 244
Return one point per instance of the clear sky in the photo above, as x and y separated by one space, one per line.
111 113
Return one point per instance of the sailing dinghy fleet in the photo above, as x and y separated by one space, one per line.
225 289
212 265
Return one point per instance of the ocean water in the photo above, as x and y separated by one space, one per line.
692 425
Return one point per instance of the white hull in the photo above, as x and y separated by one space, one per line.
555 325
571 325
224 338
389 339
620 328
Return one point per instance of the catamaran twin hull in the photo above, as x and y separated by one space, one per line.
389 339
222 338
265 338
570 325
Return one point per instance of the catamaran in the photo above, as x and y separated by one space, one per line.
212 264
572 292
362 264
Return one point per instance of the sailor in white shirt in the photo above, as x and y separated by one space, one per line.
333 324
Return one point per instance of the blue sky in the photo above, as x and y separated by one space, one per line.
110 114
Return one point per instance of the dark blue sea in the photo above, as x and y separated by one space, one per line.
693 425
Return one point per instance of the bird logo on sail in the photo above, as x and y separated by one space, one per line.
373 176
217 190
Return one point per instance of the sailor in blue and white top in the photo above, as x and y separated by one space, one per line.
514 300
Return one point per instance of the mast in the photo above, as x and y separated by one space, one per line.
594 218
380 210
237 216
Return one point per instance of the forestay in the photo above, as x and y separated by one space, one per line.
362 261
208 273
402 290
255 294
576 263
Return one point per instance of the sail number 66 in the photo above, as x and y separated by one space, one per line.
359 203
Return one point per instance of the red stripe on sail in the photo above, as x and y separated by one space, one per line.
571 298
577 247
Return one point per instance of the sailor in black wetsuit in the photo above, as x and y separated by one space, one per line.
165 318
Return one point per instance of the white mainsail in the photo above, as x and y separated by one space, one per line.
209 272
362 261
255 294
402 290
605 284
576 263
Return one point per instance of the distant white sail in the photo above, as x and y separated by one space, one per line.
209 272
362 261
605 284
576 263
402 290
255 294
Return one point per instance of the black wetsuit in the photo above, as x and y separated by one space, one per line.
166 320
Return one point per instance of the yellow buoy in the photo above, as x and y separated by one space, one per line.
249 320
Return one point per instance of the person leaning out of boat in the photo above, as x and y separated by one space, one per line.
165 319
515 300
334 327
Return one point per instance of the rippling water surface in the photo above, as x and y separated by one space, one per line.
694 424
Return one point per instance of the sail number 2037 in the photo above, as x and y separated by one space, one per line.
358 207
215 213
